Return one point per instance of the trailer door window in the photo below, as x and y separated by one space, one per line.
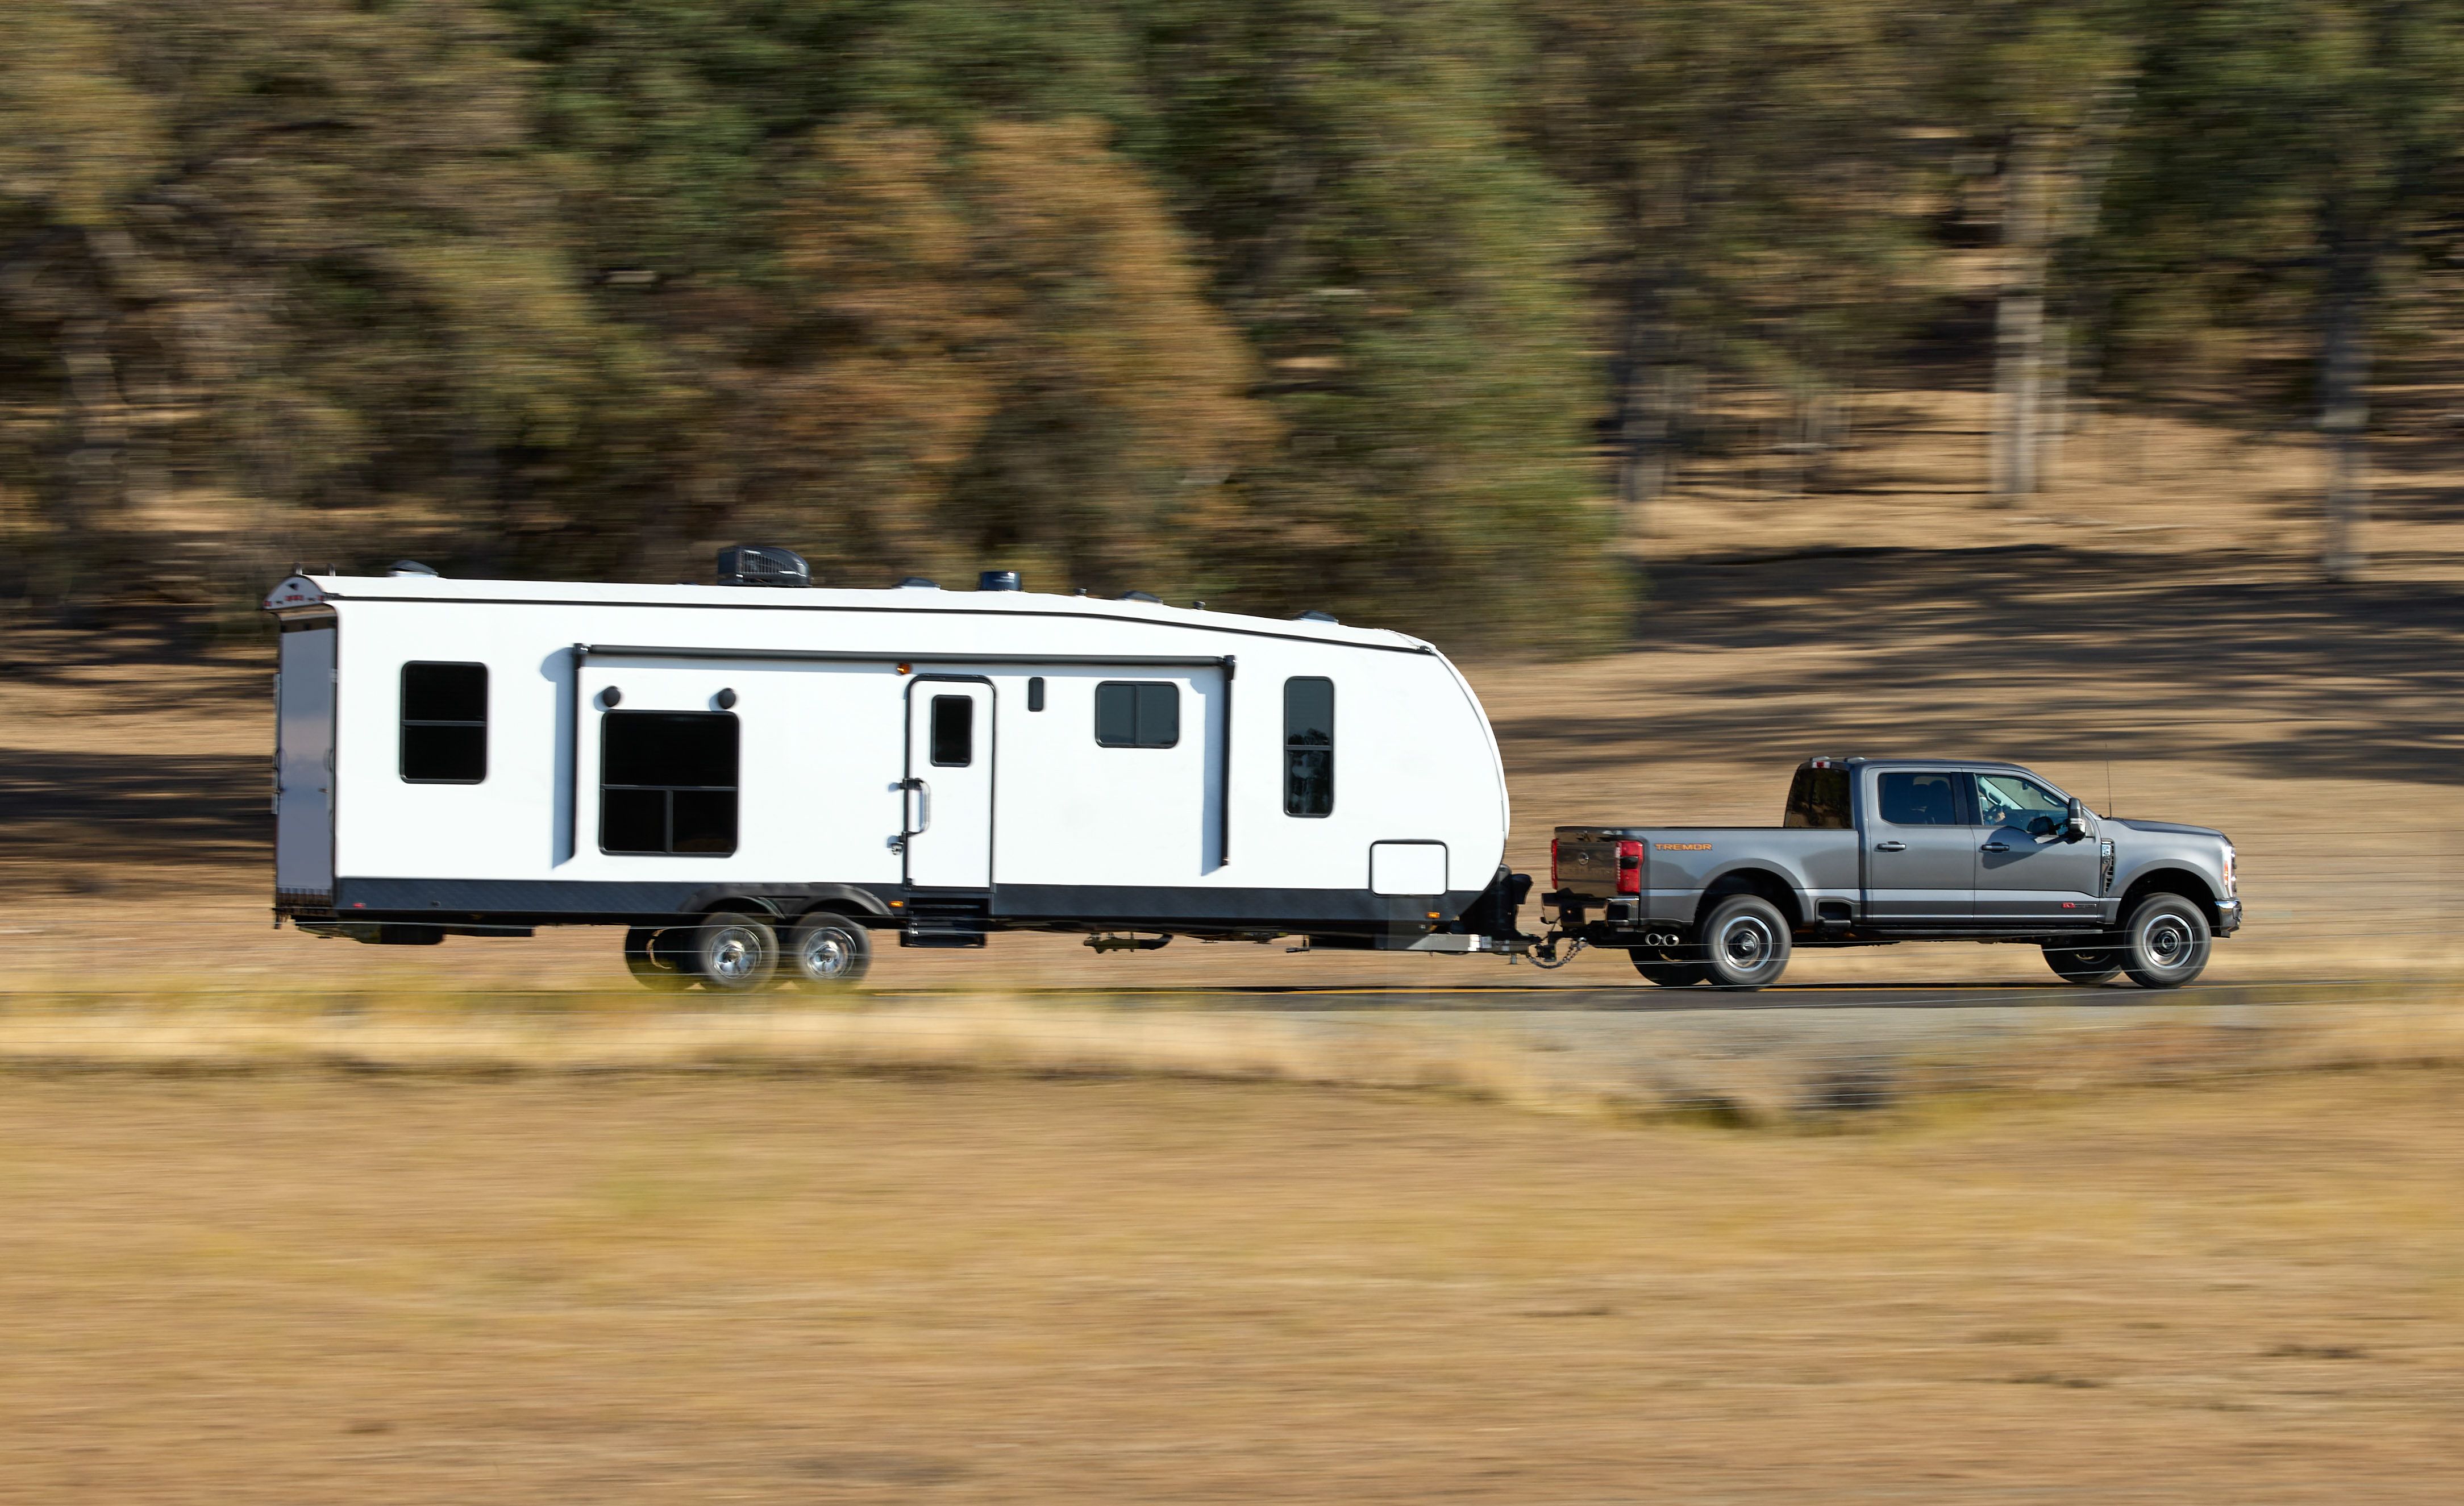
443 723
667 782
1309 746
1136 714
953 731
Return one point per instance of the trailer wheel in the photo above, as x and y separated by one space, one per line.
734 953
1745 943
652 965
2164 943
827 951
1656 968
2084 966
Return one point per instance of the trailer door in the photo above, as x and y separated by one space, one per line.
949 819
303 767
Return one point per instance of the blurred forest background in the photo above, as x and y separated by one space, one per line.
1409 309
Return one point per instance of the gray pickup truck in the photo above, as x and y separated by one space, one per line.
1873 851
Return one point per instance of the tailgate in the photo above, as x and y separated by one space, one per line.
1588 862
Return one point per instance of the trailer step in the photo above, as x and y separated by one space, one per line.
946 920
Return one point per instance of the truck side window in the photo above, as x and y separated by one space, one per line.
1921 798
1309 746
1818 797
953 731
667 782
443 723
1136 714
2007 800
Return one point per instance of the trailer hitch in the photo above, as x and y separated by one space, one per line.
1545 953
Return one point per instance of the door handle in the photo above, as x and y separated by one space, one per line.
1996 846
1890 846
923 793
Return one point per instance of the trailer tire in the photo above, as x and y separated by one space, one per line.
734 953
1656 968
652 965
1745 943
827 950
2084 965
2165 941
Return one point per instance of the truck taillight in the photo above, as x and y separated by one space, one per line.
1553 865
1629 868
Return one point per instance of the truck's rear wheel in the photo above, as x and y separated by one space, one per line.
2164 943
2084 966
1655 966
827 951
1745 943
651 956
734 953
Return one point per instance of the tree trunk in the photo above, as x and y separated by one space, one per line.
2020 321
2052 402
2344 411
1640 420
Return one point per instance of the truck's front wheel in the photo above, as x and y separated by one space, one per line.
2164 943
1745 943
1655 966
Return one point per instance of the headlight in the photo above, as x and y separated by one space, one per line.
2228 868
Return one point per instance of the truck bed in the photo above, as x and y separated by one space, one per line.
1687 860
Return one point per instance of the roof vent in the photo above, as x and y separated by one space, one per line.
1141 596
998 581
1318 616
762 565
917 583
408 567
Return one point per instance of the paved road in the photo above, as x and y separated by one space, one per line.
1647 999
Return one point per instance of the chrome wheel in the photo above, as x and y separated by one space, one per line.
829 951
2168 943
1746 943
736 953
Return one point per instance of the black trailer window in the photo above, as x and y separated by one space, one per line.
667 782
1309 746
1035 693
953 731
443 723
1136 714
1819 798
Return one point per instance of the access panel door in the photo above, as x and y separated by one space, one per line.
949 795
1920 850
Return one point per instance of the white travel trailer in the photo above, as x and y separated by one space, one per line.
750 778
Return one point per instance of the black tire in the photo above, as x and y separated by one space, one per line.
1655 965
826 951
1745 943
649 956
2164 943
734 953
2084 965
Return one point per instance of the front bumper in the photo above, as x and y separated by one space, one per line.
2228 917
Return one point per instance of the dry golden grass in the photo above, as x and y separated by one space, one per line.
764 1290
1807 1064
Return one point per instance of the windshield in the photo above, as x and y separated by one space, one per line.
2010 800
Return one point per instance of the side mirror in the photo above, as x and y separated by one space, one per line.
2076 826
